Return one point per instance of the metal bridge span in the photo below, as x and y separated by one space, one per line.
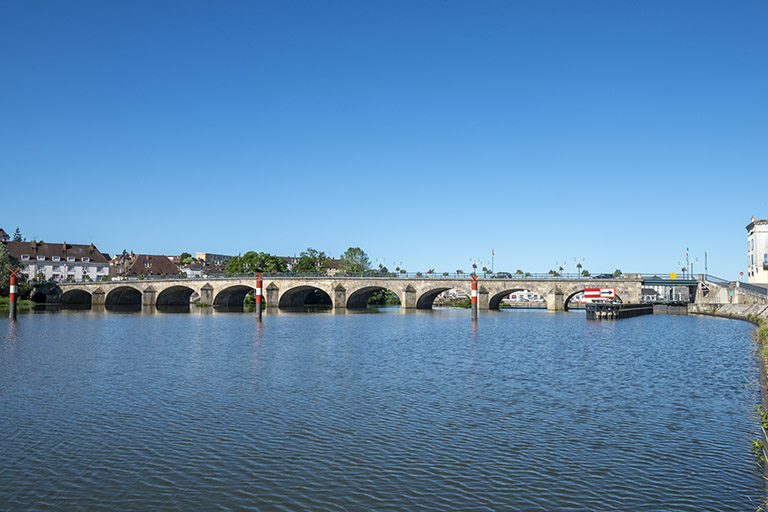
344 292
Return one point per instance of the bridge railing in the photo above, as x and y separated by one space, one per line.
715 279
366 275
751 289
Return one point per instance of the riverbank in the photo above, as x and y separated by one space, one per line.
20 304
748 312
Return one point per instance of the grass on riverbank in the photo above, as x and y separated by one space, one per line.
464 303
5 303
760 335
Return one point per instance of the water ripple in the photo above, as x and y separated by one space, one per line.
531 411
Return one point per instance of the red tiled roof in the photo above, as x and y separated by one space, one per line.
152 264
63 250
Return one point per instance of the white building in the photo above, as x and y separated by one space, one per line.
59 262
524 296
757 251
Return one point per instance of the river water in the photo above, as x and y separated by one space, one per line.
424 411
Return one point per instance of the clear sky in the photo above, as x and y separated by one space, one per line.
425 132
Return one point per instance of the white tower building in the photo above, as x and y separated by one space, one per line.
757 251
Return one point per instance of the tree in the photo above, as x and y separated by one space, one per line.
383 297
185 258
251 262
17 235
311 261
585 273
354 259
8 263
519 272
617 273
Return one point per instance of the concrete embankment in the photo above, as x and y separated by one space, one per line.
739 311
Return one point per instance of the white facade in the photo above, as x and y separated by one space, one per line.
757 251
59 262
524 296
55 269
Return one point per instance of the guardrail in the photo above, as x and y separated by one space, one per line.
751 289
366 275
716 280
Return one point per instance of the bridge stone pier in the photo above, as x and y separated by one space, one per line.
344 292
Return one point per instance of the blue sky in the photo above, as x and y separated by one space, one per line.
424 132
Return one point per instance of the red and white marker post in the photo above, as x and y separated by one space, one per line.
259 288
474 297
14 294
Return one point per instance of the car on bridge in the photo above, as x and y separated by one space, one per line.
602 276
501 275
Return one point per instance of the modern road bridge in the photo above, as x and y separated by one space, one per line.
345 292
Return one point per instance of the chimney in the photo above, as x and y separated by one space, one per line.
91 248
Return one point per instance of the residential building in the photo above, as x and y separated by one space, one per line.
198 270
151 265
4 236
452 294
524 296
59 261
212 259
757 251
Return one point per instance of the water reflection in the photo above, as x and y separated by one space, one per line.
201 409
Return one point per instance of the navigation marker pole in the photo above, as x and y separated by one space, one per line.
259 286
474 297
14 292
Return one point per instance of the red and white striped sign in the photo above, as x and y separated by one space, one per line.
591 294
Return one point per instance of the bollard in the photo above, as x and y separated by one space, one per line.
12 298
259 286
474 297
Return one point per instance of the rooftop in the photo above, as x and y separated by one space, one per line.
37 250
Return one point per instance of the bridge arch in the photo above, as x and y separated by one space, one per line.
232 296
495 300
359 298
123 295
76 297
427 299
174 296
572 292
297 296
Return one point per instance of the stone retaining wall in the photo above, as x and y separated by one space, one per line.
739 311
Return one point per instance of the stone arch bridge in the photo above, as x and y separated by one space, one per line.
344 292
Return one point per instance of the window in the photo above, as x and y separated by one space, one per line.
86 259
25 257
41 258
765 261
56 258
70 258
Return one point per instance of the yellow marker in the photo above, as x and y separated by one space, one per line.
673 276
